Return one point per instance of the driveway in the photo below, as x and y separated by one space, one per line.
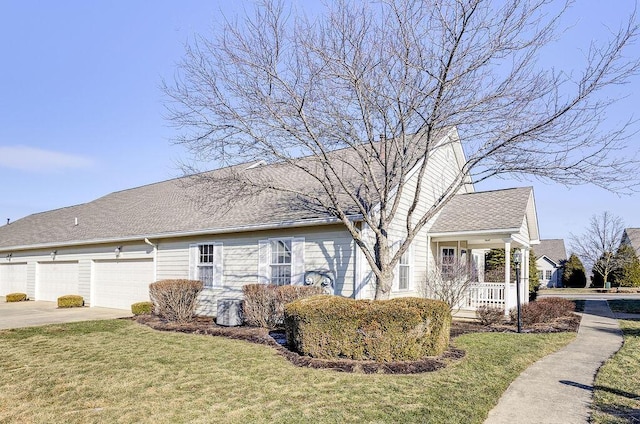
34 313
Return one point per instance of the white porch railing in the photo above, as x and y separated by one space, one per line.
481 294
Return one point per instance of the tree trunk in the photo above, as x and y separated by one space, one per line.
384 280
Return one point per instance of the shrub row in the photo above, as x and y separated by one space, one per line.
175 300
16 297
391 330
263 304
70 301
543 310
540 311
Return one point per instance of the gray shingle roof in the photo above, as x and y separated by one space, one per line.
187 204
633 237
551 248
484 211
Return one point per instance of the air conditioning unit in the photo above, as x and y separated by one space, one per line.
229 312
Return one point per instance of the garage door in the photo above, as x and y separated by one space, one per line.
118 284
55 279
13 278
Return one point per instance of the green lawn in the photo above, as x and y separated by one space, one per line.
617 386
119 371
630 306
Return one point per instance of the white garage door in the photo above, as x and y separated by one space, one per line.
13 278
55 279
118 284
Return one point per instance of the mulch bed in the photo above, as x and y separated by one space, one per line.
207 326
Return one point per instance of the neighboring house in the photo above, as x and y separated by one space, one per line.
550 257
110 249
631 236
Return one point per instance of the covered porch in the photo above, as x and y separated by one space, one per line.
473 224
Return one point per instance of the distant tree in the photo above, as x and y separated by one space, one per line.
534 281
627 273
597 245
574 274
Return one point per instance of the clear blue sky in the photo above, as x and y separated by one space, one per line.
81 109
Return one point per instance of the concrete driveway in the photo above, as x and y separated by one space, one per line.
34 313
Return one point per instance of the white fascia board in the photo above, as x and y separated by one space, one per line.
195 233
475 233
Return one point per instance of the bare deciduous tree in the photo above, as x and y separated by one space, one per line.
277 86
597 246
450 281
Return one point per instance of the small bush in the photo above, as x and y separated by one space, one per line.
543 310
70 301
333 327
175 300
142 308
489 315
263 305
16 297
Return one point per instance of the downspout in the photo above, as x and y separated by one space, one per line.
155 258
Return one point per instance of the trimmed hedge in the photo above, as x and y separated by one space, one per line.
70 301
399 329
16 297
175 300
142 308
543 310
263 304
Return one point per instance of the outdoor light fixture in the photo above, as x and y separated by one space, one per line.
53 254
517 260
9 256
118 250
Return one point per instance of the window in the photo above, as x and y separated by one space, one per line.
448 258
548 275
540 275
404 272
281 262
206 264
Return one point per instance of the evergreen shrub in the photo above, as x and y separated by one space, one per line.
142 308
16 297
70 301
332 327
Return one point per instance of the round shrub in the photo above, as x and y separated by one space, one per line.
263 304
391 330
70 301
489 315
16 297
175 300
142 308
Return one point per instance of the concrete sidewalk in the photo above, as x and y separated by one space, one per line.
559 387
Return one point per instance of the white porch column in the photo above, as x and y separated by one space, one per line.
507 275
525 275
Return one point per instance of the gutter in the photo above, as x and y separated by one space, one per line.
155 258
209 231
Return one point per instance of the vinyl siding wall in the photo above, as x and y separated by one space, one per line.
328 249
